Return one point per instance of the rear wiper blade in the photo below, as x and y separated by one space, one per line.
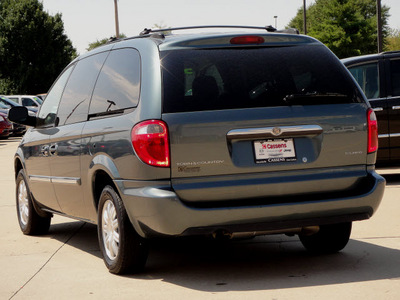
294 97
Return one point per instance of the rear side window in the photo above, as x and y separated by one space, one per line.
74 103
367 77
195 80
14 99
118 85
28 102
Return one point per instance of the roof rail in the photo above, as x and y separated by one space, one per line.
268 28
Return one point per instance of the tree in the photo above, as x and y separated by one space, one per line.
347 27
393 40
33 47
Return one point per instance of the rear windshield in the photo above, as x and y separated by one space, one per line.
213 79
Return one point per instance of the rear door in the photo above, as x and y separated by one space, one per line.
392 67
65 145
251 122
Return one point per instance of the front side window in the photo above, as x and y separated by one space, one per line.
118 85
78 91
48 110
367 77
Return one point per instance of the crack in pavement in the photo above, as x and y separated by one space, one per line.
50 258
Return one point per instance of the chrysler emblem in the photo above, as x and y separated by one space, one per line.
276 131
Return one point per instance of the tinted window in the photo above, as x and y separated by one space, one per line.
118 86
48 110
240 78
28 102
395 77
78 91
367 77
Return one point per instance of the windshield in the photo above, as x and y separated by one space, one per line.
214 79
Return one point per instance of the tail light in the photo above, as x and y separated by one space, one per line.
372 131
150 141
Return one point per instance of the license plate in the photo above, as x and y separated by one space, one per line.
274 150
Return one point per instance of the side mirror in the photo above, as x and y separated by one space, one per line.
19 115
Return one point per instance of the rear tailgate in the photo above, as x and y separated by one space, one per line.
252 123
211 160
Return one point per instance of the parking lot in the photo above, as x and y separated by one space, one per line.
67 264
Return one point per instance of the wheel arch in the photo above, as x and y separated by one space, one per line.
100 180
18 163
18 166
103 172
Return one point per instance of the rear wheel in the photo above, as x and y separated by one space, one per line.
30 222
124 251
329 239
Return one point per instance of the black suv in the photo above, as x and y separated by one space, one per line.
218 134
379 77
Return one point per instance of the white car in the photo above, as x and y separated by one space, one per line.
27 100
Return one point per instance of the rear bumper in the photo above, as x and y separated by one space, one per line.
155 210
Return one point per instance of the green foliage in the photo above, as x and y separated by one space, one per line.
33 47
104 41
393 40
347 27
8 87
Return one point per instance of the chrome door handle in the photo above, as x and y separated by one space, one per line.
378 109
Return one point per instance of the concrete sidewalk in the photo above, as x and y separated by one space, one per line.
66 263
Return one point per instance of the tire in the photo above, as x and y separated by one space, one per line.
30 222
329 239
123 250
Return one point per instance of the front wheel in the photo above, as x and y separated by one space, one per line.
30 222
124 251
329 239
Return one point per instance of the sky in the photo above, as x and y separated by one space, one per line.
86 21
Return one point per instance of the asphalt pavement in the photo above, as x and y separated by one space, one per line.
66 263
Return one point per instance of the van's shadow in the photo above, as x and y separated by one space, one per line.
392 179
263 263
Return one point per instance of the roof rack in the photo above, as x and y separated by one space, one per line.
268 28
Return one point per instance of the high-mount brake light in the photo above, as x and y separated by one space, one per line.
151 143
372 131
247 40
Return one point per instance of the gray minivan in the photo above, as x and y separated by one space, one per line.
229 134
